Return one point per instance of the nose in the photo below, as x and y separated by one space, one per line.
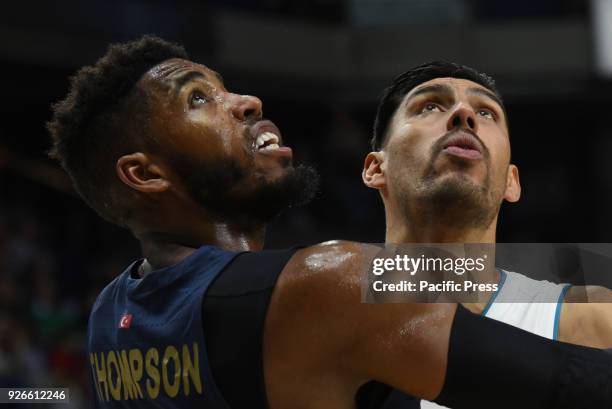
463 118
245 107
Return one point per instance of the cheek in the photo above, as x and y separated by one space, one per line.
405 163
227 140
231 136
500 159
213 134
410 153
409 141
500 150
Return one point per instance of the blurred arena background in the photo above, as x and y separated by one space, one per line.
319 67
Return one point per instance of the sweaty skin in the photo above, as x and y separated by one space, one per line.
320 342
193 117
436 195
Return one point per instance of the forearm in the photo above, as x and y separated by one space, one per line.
491 364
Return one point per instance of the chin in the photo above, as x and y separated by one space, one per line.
455 186
273 175
461 178
265 164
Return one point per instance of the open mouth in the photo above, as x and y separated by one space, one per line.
266 136
267 141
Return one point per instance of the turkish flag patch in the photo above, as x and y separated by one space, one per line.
126 321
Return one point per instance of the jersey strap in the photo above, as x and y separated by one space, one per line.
234 312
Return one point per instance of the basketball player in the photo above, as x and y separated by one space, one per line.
156 143
441 163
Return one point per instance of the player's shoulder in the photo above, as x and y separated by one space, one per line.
588 294
332 257
335 264
586 317
313 313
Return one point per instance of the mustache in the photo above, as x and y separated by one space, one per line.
248 124
252 120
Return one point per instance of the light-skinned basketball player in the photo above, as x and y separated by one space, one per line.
441 163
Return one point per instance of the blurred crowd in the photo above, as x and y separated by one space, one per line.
50 274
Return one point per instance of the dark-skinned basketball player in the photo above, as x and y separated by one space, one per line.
156 143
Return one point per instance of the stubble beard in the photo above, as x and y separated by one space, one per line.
217 188
452 199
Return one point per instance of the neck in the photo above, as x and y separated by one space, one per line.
432 228
432 231
165 247
431 224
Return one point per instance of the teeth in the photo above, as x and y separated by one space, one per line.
270 147
265 137
269 136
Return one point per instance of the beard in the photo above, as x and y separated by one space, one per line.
456 200
452 198
220 189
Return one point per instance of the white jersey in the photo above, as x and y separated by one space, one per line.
538 314
539 309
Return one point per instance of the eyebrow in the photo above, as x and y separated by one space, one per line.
180 81
185 78
447 91
432 89
486 93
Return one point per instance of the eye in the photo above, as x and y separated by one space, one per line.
430 107
197 98
485 113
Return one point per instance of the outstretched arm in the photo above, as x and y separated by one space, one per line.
427 350
487 359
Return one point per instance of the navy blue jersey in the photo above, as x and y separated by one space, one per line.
191 335
146 344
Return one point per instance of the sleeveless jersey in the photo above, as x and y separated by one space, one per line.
540 315
191 335
145 341
538 310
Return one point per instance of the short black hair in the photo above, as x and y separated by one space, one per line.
393 95
87 127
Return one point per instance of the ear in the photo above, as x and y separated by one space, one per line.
373 174
138 172
513 185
